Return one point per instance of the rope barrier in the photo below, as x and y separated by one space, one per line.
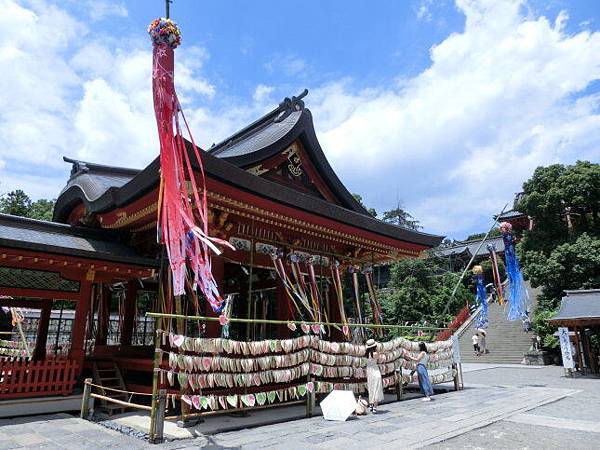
118 390
296 322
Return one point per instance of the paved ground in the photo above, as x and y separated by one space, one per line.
502 407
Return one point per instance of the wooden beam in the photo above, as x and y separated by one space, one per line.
40 293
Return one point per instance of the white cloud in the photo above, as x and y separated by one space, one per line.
72 95
457 141
454 143
101 9
289 65
424 10
262 92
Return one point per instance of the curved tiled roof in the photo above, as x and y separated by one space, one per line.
268 135
258 141
58 238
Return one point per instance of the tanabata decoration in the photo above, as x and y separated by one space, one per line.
480 298
182 222
198 365
518 297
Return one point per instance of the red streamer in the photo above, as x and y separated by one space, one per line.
182 222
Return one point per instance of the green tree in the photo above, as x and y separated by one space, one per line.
359 199
16 203
494 233
419 290
562 251
400 217
42 209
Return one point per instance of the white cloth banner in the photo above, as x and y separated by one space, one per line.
455 349
565 348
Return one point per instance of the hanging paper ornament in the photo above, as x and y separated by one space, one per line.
291 326
305 328
310 386
261 398
316 328
232 400
302 390
182 221
518 297
196 401
482 318
271 396
223 320
187 399
222 402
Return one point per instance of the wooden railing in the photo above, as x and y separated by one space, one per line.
460 318
21 378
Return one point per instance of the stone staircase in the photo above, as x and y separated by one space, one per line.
506 341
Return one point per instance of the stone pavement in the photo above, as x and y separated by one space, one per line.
502 407
61 431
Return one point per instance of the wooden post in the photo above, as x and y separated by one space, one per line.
399 383
129 315
39 354
456 383
85 400
155 379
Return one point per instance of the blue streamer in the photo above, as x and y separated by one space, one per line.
481 298
518 297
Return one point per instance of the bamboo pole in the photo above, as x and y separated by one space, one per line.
471 262
297 322
155 379
122 403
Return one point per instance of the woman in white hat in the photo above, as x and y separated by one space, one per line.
374 381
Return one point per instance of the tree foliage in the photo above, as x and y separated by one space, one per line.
562 251
18 203
400 217
419 290
359 199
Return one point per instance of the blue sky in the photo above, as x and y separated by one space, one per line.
446 106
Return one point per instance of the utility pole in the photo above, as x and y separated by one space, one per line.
168 8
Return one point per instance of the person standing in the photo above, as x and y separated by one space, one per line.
422 359
374 381
475 340
481 334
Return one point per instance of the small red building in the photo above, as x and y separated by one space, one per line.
269 185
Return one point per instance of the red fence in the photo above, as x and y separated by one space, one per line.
460 318
22 378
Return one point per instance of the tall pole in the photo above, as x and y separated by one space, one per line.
167 8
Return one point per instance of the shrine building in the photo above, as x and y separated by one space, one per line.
269 186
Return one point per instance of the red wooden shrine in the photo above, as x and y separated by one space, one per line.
268 185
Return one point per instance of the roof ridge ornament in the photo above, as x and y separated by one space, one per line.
290 105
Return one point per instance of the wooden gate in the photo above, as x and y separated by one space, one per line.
20 378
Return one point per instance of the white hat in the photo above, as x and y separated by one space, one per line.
371 343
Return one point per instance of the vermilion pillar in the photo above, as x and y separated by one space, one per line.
39 353
80 322
103 314
129 313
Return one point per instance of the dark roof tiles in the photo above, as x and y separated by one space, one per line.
37 235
